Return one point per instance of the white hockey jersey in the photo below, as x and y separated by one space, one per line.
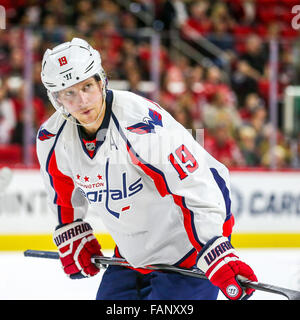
160 195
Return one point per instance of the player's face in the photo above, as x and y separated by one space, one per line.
83 100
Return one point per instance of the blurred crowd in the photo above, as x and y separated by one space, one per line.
230 103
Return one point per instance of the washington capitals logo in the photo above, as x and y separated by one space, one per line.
148 124
45 135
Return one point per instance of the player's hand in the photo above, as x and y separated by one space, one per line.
222 266
76 245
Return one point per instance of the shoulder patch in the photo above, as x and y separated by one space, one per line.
45 135
148 124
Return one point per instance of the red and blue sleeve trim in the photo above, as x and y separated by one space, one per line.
63 185
162 187
229 220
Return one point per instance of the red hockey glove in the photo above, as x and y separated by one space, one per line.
76 245
223 268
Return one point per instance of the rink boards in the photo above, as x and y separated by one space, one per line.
266 206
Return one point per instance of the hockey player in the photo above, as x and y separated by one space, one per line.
161 196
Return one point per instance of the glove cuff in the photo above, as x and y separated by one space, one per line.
214 250
68 233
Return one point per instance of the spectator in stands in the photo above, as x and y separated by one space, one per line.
252 101
51 32
247 144
243 12
195 85
38 110
215 81
130 65
38 88
106 10
220 12
258 121
129 49
281 157
134 79
195 79
221 37
255 56
183 115
174 83
108 40
173 14
7 115
83 27
186 105
16 61
4 53
244 81
223 147
128 27
62 10
250 67
222 25
83 8
198 23
219 111
144 49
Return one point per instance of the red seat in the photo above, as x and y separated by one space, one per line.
240 30
290 3
289 33
267 15
10 154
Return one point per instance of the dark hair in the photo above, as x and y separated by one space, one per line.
97 77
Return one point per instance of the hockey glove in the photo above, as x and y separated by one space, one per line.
76 245
220 263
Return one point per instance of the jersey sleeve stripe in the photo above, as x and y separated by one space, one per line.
65 213
229 220
64 187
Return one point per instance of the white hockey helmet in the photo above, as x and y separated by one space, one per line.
70 63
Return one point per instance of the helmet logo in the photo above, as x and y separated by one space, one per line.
68 76
62 61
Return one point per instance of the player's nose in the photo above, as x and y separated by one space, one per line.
82 99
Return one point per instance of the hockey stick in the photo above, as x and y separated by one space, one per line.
102 261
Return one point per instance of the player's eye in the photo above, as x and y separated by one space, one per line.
87 86
69 93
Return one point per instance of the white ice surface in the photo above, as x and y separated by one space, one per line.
24 278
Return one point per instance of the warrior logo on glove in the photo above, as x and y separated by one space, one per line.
76 245
72 232
219 260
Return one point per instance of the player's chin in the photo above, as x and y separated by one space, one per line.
87 118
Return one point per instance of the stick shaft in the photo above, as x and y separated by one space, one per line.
100 261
